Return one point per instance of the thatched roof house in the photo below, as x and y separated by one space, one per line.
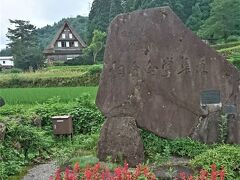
66 44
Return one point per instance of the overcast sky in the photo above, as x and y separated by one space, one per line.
39 12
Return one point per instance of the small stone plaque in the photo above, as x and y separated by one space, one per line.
210 97
230 109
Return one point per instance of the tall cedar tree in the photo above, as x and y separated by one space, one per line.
24 46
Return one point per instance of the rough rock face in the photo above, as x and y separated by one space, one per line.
121 139
2 131
155 70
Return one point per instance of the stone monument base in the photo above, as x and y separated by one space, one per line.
120 139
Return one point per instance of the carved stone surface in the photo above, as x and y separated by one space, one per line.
155 70
121 139
207 130
233 130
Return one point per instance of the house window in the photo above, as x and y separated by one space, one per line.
71 44
59 44
63 44
70 36
4 62
75 44
67 44
63 35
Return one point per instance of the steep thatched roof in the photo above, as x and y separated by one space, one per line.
50 47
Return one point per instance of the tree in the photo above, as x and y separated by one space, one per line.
128 5
200 12
195 20
24 45
98 17
6 52
224 20
115 9
96 45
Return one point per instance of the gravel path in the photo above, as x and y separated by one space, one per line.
41 172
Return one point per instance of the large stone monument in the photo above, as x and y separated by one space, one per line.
160 75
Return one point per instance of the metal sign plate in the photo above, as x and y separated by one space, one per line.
230 109
210 97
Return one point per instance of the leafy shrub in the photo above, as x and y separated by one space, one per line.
187 147
224 155
94 70
155 148
22 144
11 161
88 142
159 149
86 120
52 107
86 117
28 138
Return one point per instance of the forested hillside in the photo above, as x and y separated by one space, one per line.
46 34
215 20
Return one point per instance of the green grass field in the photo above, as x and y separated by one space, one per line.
14 96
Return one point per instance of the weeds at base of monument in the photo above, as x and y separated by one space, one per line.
223 126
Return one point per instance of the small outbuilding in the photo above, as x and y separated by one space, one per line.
6 62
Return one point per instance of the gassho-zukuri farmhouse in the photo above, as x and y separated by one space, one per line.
66 45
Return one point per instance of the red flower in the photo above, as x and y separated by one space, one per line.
214 167
66 174
137 171
97 167
214 175
182 176
58 174
203 174
222 174
125 166
118 173
88 174
76 168
71 176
